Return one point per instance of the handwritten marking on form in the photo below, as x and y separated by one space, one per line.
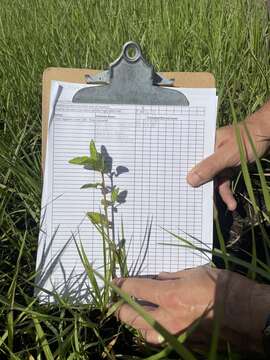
158 145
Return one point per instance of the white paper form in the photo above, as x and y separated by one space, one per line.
158 145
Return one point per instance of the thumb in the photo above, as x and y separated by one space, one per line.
207 169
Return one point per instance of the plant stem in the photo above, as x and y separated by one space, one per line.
107 224
112 208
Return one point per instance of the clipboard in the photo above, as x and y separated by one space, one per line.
92 76
128 85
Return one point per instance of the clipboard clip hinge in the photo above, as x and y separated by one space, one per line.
104 77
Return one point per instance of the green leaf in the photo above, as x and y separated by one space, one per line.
112 309
42 339
92 164
97 218
264 185
80 160
93 150
243 159
93 186
11 296
220 237
114 193
101 163
95 293
107 160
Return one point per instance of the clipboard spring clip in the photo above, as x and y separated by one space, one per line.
132 53
130 79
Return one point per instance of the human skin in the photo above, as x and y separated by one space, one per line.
226 156
240 305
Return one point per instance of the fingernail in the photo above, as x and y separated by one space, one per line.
232 205
193 179
160 339
163 273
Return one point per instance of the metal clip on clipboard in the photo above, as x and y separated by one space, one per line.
130 80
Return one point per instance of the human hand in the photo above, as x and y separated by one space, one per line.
227 156
181 297
202 293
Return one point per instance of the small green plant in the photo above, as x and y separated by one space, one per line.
111 198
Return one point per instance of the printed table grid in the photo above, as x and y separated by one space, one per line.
159 144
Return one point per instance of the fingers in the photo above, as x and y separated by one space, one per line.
145 289
226 194
203 172
129 316
207 169
152 336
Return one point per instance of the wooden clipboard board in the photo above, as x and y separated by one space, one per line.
181 79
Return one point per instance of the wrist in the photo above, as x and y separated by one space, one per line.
243 317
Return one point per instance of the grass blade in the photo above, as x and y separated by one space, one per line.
42 339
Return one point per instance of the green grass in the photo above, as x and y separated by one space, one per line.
230 38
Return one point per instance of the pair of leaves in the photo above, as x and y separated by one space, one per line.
118 196
103 158
96 161
88 162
